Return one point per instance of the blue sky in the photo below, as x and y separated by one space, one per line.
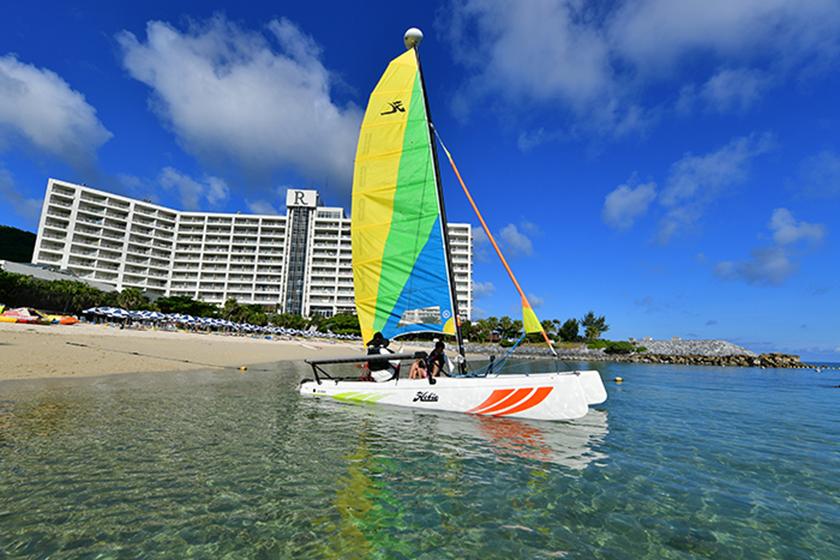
675 166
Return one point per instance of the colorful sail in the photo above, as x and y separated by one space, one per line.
400 273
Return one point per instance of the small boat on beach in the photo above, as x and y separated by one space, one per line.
30 316
402 273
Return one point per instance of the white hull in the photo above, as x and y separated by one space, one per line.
537 396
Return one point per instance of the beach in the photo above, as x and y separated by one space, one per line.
83 350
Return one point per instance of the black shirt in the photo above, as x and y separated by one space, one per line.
436 358
378 365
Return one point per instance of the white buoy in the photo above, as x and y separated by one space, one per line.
412 37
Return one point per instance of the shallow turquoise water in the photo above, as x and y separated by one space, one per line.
679 463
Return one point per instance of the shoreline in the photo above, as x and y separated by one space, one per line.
37 352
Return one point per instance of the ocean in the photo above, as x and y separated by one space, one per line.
680 462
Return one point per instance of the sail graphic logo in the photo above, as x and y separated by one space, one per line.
394 107
425 396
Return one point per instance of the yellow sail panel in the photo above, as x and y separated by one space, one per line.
529 319
375 178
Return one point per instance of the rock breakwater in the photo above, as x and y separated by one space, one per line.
676 351
772 360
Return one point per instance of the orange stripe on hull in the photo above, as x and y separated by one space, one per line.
535 399
515 398
494 397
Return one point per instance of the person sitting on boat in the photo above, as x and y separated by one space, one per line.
437 361
381 370
418 369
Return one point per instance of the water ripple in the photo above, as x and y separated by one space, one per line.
679 463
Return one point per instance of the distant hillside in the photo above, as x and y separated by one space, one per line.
16 245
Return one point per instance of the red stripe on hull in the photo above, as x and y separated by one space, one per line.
494 397
535 399
517 396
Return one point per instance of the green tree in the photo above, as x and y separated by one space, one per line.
187 305
569 331
594 326
65 296
341 323
483 328
508 328
133 299
231 309
288 321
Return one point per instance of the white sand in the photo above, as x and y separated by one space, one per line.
36 351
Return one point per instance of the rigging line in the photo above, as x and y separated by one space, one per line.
490 237
154 356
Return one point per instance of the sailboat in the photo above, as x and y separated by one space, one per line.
402 271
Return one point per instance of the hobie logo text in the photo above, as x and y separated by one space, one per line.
425 396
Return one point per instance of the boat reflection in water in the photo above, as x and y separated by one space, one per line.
574 444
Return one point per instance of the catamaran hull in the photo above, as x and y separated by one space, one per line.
541 396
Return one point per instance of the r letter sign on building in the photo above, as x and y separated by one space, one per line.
301 198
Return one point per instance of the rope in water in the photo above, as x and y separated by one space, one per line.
166 358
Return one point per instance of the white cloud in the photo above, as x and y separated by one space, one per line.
260 100
768 266
481 289
27 208
537 50
695 181
734 89
516 242
535 300
594 61
775 264
261 207
729 90
481 244
530 227
655 35
39 107
786 230
624 205
194 194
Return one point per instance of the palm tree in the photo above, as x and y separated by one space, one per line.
594 326
132 298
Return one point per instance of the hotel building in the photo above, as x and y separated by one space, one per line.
298 263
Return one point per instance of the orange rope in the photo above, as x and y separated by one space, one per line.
490 236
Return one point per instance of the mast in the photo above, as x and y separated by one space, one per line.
412 39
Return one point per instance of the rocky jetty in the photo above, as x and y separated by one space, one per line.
680 347
773 360
675 351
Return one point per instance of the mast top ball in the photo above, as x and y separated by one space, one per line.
412 37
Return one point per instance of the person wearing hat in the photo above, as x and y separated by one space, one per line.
381 370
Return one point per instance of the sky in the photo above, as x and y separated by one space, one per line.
674 166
